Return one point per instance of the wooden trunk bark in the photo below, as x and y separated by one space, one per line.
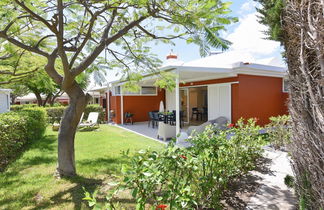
303 20
68 128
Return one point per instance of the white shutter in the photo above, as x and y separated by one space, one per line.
219 101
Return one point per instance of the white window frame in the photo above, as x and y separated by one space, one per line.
135 94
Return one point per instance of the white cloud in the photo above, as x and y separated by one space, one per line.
249 37
248 6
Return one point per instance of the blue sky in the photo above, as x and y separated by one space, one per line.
246 35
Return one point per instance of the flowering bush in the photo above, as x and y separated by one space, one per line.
192 178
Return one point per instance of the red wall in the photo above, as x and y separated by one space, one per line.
260 97
137 105
252 97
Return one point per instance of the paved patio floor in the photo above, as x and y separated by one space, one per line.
142 128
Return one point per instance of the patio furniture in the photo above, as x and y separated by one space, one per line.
172 118
195 111
91 121
129 117
166 131
151 119
56 126
219 123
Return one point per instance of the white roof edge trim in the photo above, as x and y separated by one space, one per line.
6 90
257 72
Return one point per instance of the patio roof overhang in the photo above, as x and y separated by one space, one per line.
195 73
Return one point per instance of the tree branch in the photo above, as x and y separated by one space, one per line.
49 26
22 45
104 42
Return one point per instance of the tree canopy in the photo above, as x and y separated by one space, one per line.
74 33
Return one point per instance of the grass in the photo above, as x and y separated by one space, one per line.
28 183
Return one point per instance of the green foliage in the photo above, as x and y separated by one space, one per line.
196 177
55 113
271 13
36 121
289 181
13 130
20 107
17 129
94 108
279 130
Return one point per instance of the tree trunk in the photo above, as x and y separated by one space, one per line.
39 99
69 124
304 43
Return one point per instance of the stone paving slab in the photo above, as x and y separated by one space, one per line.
273 193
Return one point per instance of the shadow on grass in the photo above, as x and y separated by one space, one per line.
73 194
45 145
106 166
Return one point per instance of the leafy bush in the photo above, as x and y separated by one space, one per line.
13 130
36 122
95 108
192 178
17 129
55 113
279 130
23 106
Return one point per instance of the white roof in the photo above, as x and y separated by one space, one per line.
221 65
221 60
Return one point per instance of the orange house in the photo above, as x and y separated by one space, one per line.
206 89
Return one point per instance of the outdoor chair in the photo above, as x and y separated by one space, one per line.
218 123
166 131
56 126
195 111
129 117
151 120
91 121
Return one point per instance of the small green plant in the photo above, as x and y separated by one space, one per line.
289 181
279 130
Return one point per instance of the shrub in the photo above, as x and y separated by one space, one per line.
23 106
95 108
55 113
17 129
279 130
36 122
13 131
193 178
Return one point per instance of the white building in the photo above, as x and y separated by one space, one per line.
4 100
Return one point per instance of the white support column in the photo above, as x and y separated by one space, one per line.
108 103
177 100
121 105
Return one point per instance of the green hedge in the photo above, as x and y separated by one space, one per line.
55 113
18 129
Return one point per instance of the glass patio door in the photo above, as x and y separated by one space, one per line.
184 103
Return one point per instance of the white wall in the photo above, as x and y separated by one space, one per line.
4 102
170 100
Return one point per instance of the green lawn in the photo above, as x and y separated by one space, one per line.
29 182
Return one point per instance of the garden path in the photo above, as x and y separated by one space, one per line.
272 192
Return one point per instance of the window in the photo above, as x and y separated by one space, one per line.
148 90
285 85
117 90
128 92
